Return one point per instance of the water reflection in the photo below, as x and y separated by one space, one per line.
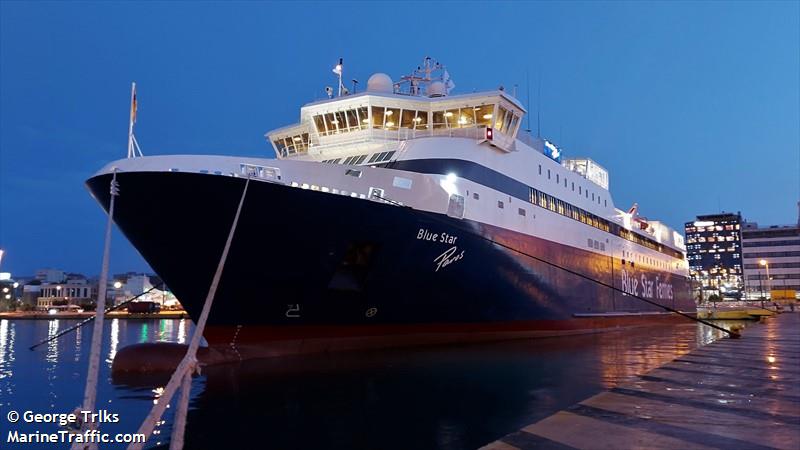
182 331
52 346
445 397
7 335
78 347
707 335
51 356
114 340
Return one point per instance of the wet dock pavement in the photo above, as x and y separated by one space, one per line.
732 393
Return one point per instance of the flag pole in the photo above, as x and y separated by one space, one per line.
131 140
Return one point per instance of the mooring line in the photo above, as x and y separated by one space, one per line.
93 371
188 364
732 334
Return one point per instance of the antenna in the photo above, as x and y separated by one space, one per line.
337 69
539 107
528 101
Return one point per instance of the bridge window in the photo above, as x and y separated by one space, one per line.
421 120
331 123
341 121
438 120
280 146
501 119
451 118
407 120
352 119
484 114
363 117
513 127
378 116
392 116
319 121
466 117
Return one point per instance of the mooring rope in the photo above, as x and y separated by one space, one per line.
188 364
90 392
433 216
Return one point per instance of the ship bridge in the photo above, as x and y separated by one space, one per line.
377 122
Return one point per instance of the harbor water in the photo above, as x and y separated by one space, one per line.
445 397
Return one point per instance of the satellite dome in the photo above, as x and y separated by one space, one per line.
380 82
436 89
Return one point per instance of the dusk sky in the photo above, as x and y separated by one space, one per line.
692 107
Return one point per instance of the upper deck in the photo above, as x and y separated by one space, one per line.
385 124
375 117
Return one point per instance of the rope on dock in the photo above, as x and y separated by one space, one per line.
90 392
89 319
731 333
188 365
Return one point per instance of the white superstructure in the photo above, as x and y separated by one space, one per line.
395 140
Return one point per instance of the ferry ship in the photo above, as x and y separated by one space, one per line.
400 215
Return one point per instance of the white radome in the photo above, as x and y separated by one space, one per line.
380 82
436 89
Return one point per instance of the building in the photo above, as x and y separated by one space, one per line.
50 275
714 252
64 295
136 284
771 258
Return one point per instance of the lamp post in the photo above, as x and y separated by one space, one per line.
765 264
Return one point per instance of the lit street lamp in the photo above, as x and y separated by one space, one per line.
765 263
117 285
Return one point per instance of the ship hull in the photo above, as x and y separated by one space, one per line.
310 271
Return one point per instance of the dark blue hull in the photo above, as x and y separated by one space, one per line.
306 264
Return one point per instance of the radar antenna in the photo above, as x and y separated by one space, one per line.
423 76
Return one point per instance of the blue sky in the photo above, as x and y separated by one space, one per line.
693 107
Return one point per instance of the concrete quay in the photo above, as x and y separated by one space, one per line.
731 394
